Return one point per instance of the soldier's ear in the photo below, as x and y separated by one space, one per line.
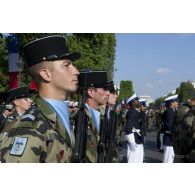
45 74
90 92
16 102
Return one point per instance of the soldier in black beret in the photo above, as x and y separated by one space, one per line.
18 102
96 85
18 93
113 131
44 133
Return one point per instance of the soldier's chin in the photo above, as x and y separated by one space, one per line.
105 102
72 89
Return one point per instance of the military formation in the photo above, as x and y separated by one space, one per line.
50 128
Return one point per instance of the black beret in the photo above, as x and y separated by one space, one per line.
92 79
49 48
111 87
17 93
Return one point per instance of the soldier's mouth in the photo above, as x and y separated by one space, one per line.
75 81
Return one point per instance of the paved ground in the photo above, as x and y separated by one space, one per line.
152 155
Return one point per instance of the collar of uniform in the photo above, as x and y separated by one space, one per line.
96 117
90 119
46 109
52 116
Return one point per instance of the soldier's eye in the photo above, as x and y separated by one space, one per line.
67 63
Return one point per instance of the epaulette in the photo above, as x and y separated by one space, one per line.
10 118
31 114
27 117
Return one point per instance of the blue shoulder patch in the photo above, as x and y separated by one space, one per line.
27 117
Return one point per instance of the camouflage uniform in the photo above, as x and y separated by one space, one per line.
38 136
6 126
150 120
72 119
187 137
92 139
179 136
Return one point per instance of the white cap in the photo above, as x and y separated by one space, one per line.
133 97
142 100
171 98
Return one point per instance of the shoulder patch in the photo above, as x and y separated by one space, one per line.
10 118
19 145
27 117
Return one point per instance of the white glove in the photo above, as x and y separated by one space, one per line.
132 147
131 140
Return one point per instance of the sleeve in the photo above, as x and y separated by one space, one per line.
2 117
131 117
22 147
57 149
169 120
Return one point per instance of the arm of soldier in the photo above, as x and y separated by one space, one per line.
130 122
24 148
57 150
170 119
2 117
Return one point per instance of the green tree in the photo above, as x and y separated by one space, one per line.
3 65
126 89
185 91
158 101
97 51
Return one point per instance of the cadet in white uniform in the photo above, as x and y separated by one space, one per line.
134 134
168 119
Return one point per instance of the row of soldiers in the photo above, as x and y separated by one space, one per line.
175 126
41 131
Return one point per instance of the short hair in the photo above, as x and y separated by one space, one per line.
90 87
34 70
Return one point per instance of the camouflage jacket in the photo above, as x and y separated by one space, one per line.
92 139
38 136
181 134
188 132
159 122
6 126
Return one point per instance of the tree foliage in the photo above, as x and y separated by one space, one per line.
158 101
185 91
126 89
3 65
97 51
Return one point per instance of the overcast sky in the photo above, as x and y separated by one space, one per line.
156 63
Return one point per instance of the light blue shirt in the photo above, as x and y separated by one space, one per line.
95 116
61 109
